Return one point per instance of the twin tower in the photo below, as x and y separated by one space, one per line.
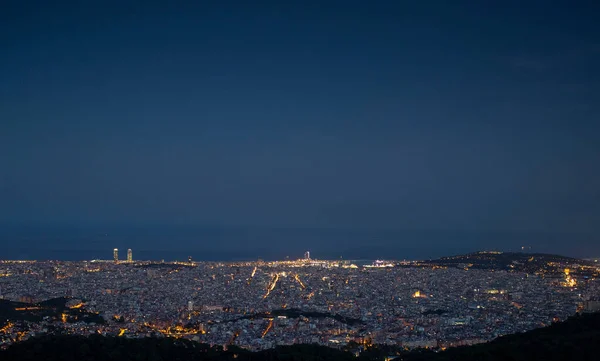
116 255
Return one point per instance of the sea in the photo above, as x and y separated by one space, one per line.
172 243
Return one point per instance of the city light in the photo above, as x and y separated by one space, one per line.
304 300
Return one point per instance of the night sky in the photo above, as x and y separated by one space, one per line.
243 129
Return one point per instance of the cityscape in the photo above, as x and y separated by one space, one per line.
257 305
299 180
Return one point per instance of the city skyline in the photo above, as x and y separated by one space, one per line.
166 256
237 243
455 301
289 180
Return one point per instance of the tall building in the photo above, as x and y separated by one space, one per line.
129 255
307 255
190 306
116 255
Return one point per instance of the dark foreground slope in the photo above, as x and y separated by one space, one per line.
100 348
576 339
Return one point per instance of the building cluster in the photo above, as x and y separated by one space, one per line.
116 255
258 305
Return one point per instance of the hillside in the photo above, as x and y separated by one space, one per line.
574 339
55 309
512 261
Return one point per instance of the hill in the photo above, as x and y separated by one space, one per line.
511 261
55 308
574 339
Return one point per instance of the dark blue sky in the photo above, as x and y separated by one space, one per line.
450 118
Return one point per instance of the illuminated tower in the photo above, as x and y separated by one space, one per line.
116 255
190 306
129 255
307 255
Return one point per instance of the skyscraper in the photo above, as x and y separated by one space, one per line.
116 255
307 255
190 306
129 255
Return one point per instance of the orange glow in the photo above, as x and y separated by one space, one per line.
7 327
418 294
517 305
569 281
272 285
297 278
268 328
27 308
20 335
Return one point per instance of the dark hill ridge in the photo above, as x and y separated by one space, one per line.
295 313
510 261
55 308
574 339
